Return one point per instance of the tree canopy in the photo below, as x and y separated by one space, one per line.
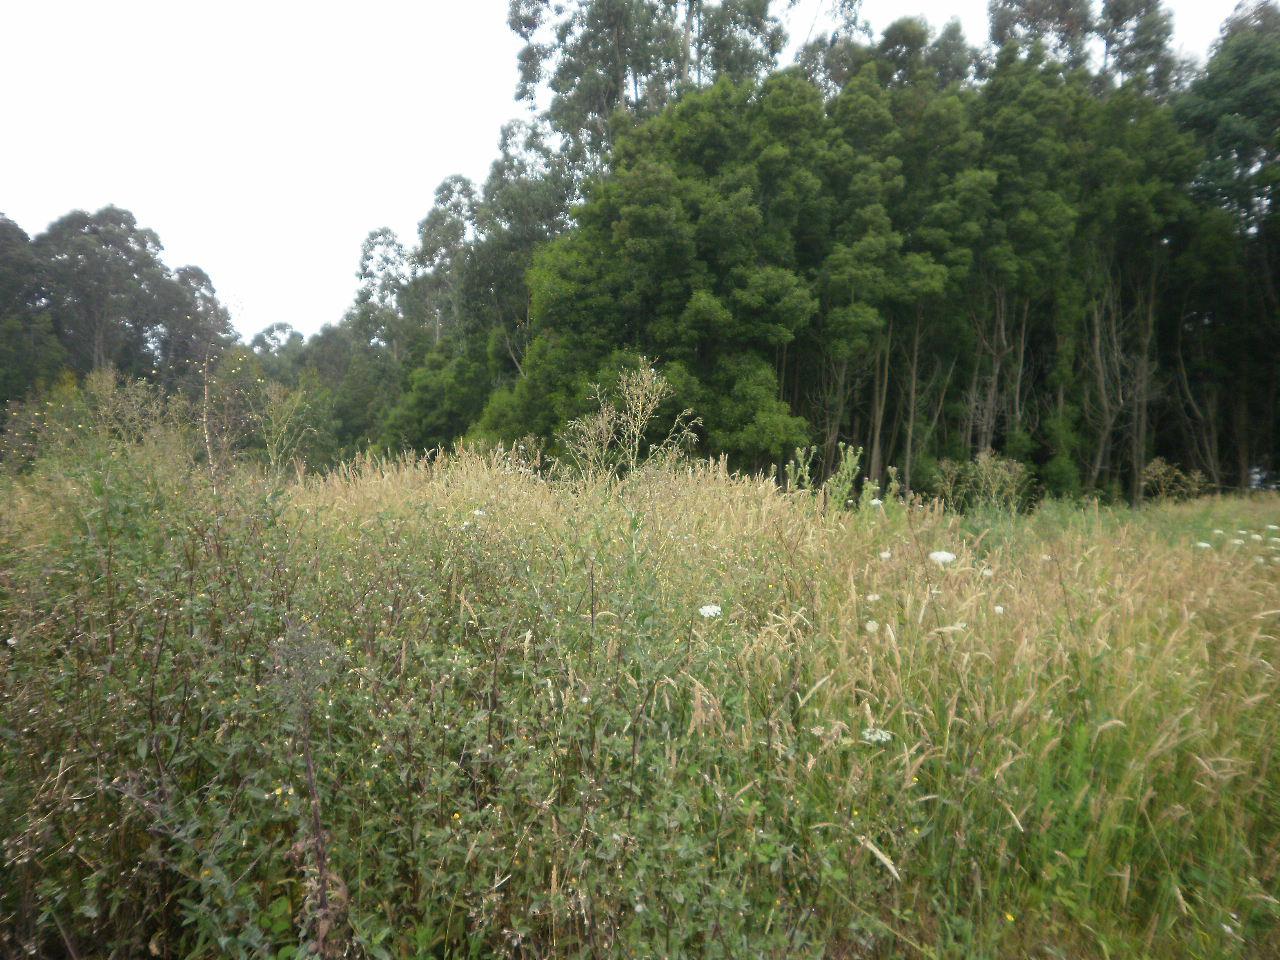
1059 246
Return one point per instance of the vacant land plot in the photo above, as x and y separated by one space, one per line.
459 708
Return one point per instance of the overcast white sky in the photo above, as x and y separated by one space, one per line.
263 139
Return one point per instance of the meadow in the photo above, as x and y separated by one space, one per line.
470 705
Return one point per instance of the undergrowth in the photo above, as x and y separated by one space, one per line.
464 706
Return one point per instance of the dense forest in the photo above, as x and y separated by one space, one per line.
1061 246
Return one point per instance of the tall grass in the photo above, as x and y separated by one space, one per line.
458 706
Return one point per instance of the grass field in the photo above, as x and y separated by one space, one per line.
461 708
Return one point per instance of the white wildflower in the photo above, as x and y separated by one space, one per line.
1204 546
999 609
988 572
1256 536
871 626
877 502
886 554
1219 533
942 557
872 597
1272 526
477 513
876 735
1237 543
710 611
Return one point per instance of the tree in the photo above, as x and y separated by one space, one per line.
30 353
1136 36
600 57
115 303
191 327
1233 108
900 246
101 268
1063 26
1021 254
1136 177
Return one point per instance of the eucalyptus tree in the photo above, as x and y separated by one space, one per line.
904 245
692 251
866 273
1136 35
114 302
599 58
1063 26
1024 116
939 212
100 268
475 248
1233 108
30 352
1136 175
191 327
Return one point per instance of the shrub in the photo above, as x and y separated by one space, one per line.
1162 480
988 481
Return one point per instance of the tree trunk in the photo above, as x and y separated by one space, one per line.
1201 424
835 404
98 324
1018 370
987 434
880 390
913 394
971 420
687 45
1106 419
997 346
1141 394
1270 452
1242 438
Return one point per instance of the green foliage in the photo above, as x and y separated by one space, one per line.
30 355
1063 26
604 60
458 707
91 293
905 246
444 397
115 303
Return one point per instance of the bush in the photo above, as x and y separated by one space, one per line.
1161 480
988 481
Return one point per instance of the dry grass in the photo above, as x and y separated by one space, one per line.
1082 705
528 740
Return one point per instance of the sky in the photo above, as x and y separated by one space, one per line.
263 140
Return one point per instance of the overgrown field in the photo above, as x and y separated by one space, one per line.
462 707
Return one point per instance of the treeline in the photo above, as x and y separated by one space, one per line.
1061 247
92 291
